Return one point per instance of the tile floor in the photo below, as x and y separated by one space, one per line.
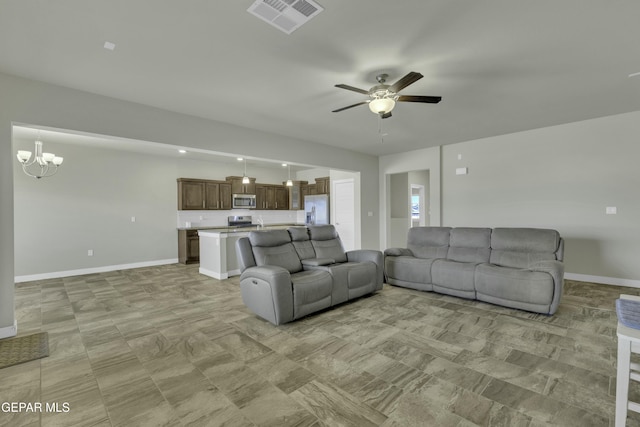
167 346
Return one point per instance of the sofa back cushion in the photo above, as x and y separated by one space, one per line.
274 247
470 245
429 242
302 242
327 243
521 247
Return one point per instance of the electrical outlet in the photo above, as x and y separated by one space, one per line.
133 219
611 210
90 252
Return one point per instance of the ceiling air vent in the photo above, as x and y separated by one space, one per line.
286 15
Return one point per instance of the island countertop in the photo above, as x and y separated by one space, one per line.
233 229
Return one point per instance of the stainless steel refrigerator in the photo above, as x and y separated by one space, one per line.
317 209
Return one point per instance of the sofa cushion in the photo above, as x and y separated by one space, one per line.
514 284
522 247
298 234
326 243
454 278
470 245
409 269
351 279
300 240
428 242
269 237
273 247
311 292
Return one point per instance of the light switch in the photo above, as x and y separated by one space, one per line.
462 171
459 156
611 210
369 213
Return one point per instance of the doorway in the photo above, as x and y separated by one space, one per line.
408 196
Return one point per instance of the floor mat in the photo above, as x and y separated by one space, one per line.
14 351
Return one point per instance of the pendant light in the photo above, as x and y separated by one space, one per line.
245 178
289 182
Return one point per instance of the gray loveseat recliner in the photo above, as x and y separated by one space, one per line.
514 267
288 274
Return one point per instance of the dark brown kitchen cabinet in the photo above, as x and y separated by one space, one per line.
271 197
281 197
225 195
237 187
296 194
191 195
261 196
202 194
188 246
322 185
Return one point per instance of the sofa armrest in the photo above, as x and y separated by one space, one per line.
368 255
398 252
556 270
267 290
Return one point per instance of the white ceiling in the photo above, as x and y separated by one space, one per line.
501 66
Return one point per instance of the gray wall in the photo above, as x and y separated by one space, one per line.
424 159
560 177
90 202
30 102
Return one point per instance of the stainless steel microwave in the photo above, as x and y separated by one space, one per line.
243 201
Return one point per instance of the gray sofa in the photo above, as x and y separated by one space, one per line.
513 267
288 274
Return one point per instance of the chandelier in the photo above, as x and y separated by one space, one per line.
42 165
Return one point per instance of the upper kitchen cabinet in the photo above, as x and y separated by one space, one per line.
296 194
272 197
281 197
225 195
200 194
322 185
217 195
191 194
237 187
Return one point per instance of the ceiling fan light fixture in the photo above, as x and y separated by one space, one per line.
382 105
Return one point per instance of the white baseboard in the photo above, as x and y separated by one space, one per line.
106 268
9 331
214 274
603 280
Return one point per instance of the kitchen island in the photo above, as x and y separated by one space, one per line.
218 257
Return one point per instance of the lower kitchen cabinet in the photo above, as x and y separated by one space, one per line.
188 246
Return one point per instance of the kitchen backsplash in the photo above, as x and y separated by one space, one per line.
219 218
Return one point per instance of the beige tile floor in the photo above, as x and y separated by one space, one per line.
167 346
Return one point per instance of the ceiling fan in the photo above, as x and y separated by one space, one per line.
384 97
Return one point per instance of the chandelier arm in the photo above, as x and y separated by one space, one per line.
45 161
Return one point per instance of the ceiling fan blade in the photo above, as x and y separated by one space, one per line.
385 115
410 78
420 98
349 106
355 89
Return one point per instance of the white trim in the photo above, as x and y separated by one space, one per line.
214 274
9 331
603 280
80 272
234 272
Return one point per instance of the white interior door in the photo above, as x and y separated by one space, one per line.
344 212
